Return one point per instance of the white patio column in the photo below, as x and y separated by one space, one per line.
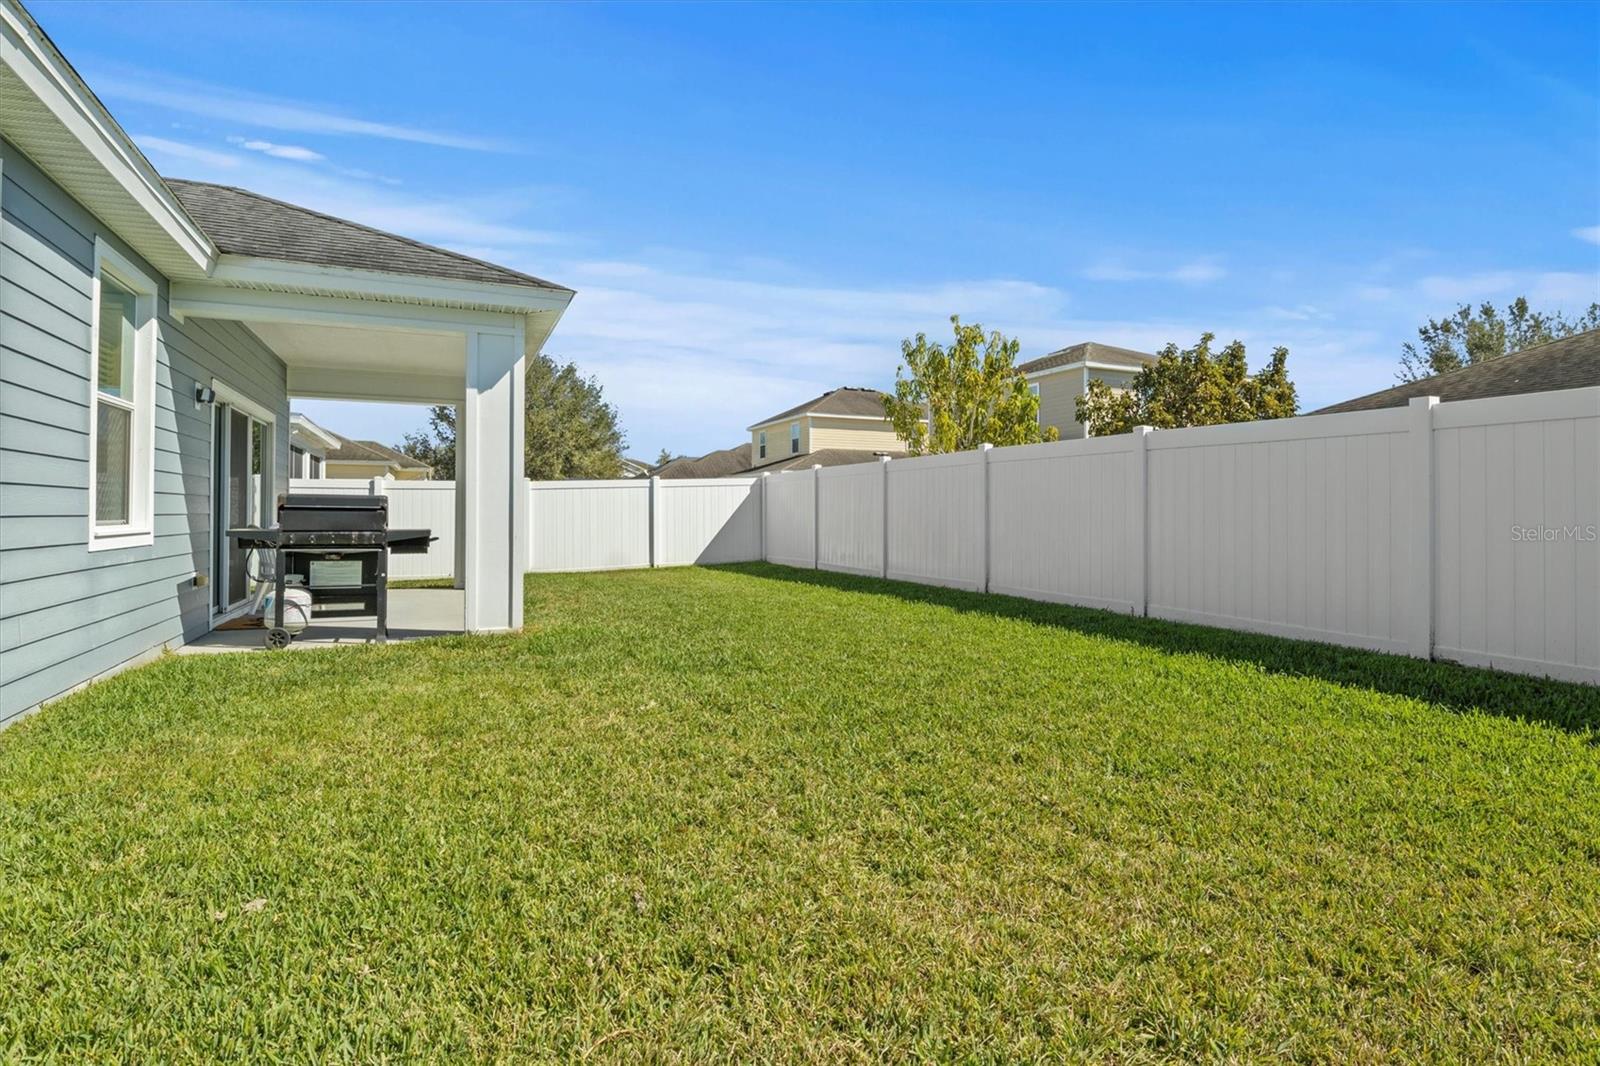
460 565
496 506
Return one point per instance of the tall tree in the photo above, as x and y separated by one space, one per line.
435 445
956 398
570 431
1192 387
1469 336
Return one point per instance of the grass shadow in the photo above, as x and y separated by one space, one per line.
1464 689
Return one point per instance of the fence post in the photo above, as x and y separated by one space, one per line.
762 487
983 459
1419 446
655 519
816 516
1140 591
883 569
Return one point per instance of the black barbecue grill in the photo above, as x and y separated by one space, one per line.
338 548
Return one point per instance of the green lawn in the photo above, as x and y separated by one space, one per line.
762 814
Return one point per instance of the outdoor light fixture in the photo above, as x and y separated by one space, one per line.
204 395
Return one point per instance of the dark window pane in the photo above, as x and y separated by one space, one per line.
113 442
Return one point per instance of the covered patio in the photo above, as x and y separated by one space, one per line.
358 314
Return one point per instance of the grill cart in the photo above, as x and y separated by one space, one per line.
337 547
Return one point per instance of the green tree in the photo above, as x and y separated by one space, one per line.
1192 387
570 431
435 445
664 458
1469 336
956 398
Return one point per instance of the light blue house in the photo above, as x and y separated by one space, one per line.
151 334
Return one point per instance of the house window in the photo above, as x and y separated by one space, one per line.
1038 412
297 462
1033 390
794 438
316 466
761 445
122 395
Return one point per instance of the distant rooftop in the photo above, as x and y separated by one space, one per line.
1569 363
1088 352
370 451
845 401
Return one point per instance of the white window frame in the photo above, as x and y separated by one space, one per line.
139 530
794 438
761 441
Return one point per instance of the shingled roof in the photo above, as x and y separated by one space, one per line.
845 401
1090 352
723 463
241 222
1569 363
370 451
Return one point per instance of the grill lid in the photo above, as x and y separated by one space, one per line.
330 501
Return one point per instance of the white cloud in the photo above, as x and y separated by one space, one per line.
188 153
481 226
219 102
279 151
1588 233
1545 289
1194 272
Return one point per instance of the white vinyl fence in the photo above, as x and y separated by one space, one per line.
642 522
1467 531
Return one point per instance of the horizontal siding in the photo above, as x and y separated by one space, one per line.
1058 397
68 614
848 433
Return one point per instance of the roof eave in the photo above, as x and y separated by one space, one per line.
97 163
311 279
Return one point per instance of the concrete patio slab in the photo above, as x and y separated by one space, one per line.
413 614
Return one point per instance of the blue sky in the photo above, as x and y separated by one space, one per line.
757 203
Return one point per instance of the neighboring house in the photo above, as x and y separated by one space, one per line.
849 419
1570 363
153 332
309 445
369 459
840 427
632 467
1058 379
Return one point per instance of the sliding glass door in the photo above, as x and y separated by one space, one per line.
242 496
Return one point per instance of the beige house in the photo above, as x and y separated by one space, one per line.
369 459
1058 379
845 419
